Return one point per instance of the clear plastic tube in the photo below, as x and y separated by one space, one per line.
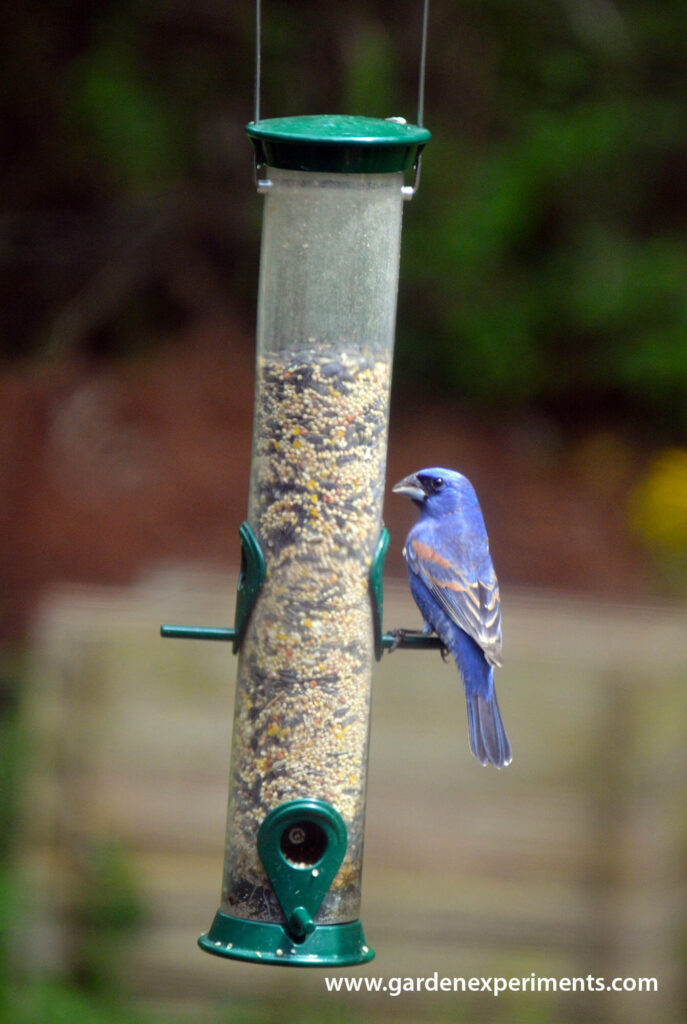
326 319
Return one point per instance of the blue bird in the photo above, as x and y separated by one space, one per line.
454 585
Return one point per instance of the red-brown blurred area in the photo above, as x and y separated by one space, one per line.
109 468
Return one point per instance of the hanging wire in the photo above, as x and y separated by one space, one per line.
409 192
421 76
258 58
423 65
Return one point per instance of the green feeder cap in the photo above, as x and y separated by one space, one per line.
338 143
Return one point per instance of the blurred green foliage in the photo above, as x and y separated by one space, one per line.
108 909
544 258
555 258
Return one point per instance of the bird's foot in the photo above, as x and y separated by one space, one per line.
445 653
399 636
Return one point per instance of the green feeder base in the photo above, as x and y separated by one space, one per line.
329 945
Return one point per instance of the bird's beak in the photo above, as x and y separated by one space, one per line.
411 487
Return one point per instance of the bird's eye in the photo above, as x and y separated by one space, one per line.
437 483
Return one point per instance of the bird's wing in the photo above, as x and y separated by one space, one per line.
467 594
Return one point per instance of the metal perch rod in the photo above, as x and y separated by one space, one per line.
419 641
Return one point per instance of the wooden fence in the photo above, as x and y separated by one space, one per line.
570 862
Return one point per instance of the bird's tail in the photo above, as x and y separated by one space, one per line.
488 738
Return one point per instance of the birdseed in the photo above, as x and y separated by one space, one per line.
303 691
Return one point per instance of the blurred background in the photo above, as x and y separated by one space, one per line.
541 349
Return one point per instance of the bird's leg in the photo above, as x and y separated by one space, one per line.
426 630
399 636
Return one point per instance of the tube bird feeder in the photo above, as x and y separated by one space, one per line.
308 620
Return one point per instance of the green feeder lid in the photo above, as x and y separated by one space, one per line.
338 143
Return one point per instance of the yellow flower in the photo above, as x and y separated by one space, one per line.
658 510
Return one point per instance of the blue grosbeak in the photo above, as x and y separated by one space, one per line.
454 585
